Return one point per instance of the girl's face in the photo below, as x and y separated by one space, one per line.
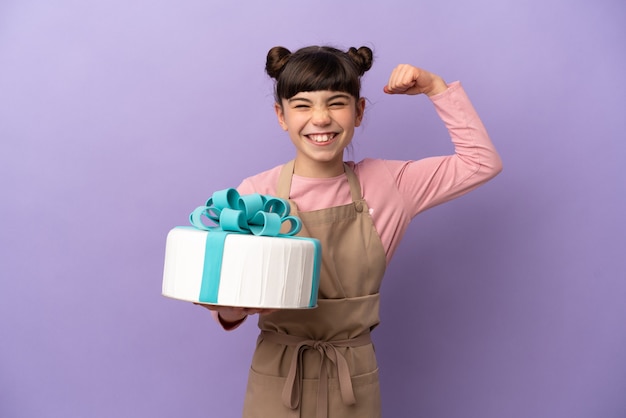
321 125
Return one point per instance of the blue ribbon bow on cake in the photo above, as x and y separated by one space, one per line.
249 214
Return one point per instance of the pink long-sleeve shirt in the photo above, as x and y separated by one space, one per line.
396 191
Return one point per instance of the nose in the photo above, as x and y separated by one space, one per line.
320 117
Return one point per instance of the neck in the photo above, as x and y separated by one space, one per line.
319 169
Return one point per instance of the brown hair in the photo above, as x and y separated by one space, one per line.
315 68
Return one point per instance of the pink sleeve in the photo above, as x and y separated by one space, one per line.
432 181
397 191
264 183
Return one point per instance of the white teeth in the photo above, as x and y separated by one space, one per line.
321 137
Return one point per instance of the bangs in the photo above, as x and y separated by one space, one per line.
318 71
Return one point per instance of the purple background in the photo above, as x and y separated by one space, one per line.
118 117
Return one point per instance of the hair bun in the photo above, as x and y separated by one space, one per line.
362 57
277 57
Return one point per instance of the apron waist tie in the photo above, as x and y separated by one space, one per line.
292 391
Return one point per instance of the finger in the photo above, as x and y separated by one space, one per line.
260 311
209 307
402 79
398 88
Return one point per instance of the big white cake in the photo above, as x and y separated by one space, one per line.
256 271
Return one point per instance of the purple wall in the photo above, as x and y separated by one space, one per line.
118 118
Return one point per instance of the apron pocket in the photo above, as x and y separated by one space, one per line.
366 389
263 396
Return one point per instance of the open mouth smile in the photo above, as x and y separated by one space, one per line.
321 138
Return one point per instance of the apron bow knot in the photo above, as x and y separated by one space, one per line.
292 391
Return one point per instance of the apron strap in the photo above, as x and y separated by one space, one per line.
284 180
355 188
292 391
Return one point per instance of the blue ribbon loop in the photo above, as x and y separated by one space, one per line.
230 212
248 214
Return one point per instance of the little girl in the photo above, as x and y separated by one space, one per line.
321 362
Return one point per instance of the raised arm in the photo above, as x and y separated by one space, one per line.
431 181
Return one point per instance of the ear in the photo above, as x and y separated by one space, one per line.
280 114
360 111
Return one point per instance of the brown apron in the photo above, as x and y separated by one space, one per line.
320 362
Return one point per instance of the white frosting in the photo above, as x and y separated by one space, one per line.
268 272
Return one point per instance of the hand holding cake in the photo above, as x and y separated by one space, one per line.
231 316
